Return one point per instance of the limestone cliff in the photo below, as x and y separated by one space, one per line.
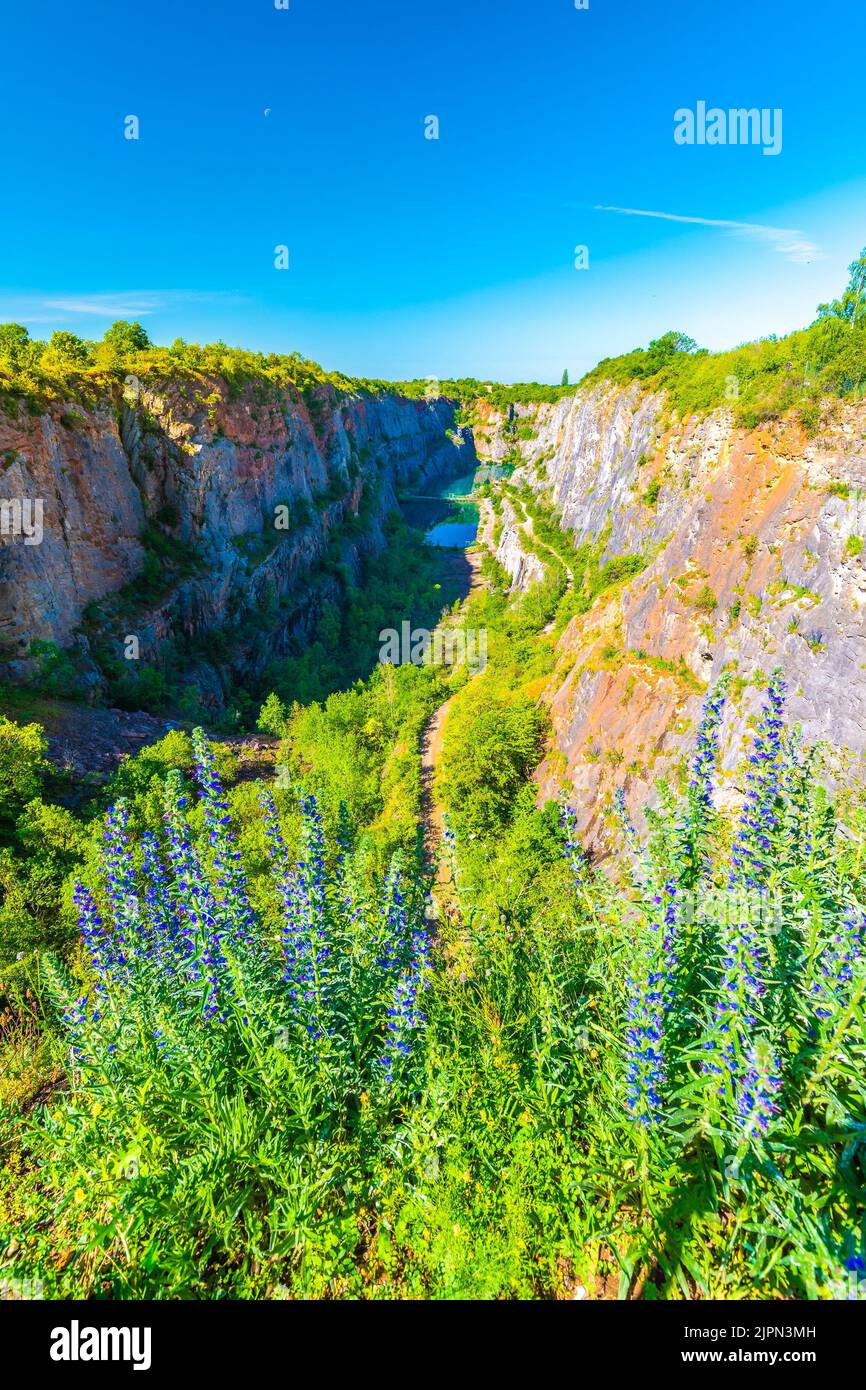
753 543
162 505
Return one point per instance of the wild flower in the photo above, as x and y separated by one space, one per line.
791 759
706 748
201 924
405 1017
756 1100
314 854
119 874
645 1066
227 861
311 905
395 921
837 964
737 1006
650 989
302 889
750 853
98 944
624 820
741 986
573 849
162 933
448 848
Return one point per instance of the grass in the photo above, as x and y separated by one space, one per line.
331 1102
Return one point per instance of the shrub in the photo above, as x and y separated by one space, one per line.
272 717
705 600
491 744
22 767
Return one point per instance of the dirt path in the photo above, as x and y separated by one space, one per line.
432 813
529 530
432 743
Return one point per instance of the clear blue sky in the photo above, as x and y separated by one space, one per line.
413 257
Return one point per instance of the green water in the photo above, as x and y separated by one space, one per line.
444 521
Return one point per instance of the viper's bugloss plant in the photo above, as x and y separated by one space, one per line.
707 747
650 992
573 849
208 1027
740 1013
282 1079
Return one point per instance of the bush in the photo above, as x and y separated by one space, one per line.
22 767
705 600
492 743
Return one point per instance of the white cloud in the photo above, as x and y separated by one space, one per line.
785 241
116 306
61 308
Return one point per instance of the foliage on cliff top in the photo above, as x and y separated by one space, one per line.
760 380
469 390
66 366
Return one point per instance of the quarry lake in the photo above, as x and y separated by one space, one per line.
445 520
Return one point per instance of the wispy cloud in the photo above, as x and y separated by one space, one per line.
785 241
59 308
118 306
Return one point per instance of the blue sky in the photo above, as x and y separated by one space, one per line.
413 257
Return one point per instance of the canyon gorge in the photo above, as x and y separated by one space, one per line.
247 498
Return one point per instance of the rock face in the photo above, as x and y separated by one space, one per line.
159 519
190 481
753 544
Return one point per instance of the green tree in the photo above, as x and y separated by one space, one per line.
852 305
272 717
124 338
669 344
67 349
55 669
565 377
15 345
22 767
491 745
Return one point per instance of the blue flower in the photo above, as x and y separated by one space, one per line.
573 849
756 1101
651 989
750 853
706 747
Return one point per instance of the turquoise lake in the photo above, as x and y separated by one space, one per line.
444 521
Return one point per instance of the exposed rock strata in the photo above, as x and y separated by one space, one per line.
754 561
207 468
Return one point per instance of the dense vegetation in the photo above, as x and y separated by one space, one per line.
284 1082
288 1079
764 379
72 368
68 367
